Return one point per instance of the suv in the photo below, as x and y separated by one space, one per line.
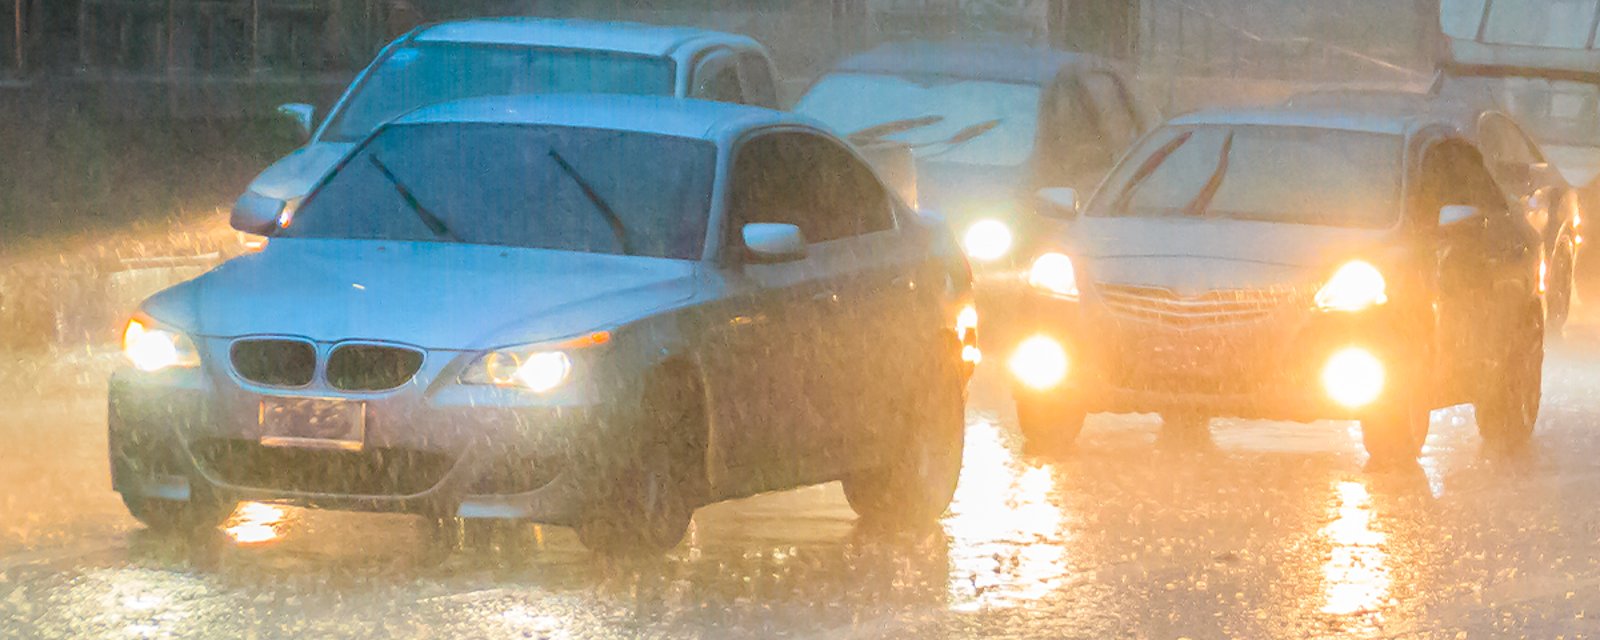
507 56
1288 265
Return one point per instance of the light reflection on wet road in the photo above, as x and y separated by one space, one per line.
1266 530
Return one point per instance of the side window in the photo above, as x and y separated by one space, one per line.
756 75
1113 112
717 78
808 181
1453 173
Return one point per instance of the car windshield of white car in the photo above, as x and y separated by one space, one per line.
1270 173
1005 115
542 187
435 73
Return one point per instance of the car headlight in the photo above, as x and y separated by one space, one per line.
1054 274
540 368
151 348
987 240
1355 286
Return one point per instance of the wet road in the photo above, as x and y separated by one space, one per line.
1267 530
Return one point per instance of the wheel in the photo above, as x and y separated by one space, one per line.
1184 428
648 503
1048 425
1560 287
1508 404
915 486
1395 436
169 516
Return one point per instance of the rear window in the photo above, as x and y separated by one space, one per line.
1278 174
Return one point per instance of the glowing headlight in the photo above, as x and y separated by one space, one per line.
152 349
539 368
987 240
1355 286
1353 377
1039 362
1053 272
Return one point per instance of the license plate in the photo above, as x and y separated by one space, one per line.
1181 357
313 422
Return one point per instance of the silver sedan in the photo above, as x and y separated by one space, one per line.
597 311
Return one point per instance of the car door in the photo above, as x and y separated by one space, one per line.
1482 265
885 332
779 347
1072 151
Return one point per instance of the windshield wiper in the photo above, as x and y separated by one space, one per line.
965 135
1202 200
1148 168
433 222
617 228
879 131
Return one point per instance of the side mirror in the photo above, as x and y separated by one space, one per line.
766 242
1455 214
1059 203
303 115
257 214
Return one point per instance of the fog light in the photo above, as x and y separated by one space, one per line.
1039 362
1353 377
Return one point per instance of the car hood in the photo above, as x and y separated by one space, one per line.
431 295
1196 255
294 175
1579 165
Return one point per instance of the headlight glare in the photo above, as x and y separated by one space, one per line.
1054 273
150 348
1356 286
987 240
537 371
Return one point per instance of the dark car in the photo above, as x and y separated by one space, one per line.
1288 265
989 124
1539 188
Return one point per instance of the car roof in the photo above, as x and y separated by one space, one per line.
626 37
678 117
1000 61
1331 118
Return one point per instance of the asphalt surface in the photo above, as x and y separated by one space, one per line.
1263 530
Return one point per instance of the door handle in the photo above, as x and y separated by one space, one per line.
826 296
903 282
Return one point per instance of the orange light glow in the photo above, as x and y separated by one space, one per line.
1004 503
1356 574
255 523
590 340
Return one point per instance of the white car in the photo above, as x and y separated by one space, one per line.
515 56
598 311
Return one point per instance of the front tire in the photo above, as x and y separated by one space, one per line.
1508 404
918 481
1561 282
646 507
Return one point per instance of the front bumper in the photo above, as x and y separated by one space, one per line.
477 452
1267 367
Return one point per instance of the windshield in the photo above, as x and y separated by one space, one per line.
427 74
851 102
572 189
1277 174
1556 112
